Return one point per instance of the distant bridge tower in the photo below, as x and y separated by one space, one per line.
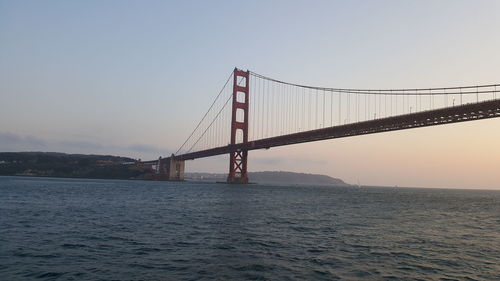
239 127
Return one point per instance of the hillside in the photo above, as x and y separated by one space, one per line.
274 177
54 164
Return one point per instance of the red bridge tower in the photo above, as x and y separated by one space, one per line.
239 127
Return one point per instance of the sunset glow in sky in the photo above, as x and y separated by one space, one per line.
132 78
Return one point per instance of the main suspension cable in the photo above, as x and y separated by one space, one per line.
394 92
206 113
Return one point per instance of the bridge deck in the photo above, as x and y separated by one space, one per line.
467 112
455 114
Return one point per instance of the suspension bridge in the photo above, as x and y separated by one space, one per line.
253 111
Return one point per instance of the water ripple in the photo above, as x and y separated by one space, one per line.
54 229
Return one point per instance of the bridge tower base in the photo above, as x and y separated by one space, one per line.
238 167
239 124
175 169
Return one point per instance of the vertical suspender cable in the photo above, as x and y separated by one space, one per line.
316 111
379 105
308 116
357 107
430 100
331 108
349 106
268 94
340 113
274 109
323 108
263 107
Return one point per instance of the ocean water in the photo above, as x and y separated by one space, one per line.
72 229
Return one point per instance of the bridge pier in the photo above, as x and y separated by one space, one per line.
239 127
165 169
175 169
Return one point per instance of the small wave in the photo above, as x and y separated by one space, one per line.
253 267
139 265
52 275
73 246
224 247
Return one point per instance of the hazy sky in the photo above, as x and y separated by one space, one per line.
134 77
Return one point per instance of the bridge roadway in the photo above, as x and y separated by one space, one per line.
455 114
